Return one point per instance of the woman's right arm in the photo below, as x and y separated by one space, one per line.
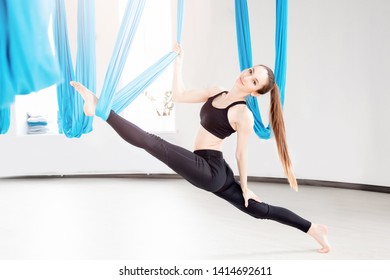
179 92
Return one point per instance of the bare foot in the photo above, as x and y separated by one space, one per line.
319 233
90 100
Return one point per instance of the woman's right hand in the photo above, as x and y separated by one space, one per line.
248 194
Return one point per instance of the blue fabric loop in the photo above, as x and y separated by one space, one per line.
126 95
124 41
118 101
71 115
245 55
180 6
27 63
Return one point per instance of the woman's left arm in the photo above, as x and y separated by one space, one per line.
244 129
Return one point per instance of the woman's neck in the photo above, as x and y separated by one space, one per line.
236 95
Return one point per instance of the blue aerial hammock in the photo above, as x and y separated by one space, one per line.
72 120
110 98
27 63
245 55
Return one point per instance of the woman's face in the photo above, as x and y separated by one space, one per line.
252 79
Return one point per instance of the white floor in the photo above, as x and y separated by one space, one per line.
77 219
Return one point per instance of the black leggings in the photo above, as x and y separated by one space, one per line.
205 169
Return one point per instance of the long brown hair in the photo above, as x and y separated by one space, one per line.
277 123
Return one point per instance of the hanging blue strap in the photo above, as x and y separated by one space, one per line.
180 7
123 43
86 55
27 63
33 65
245 58
4 120
127 94
7 92
281 46
65 97
245 55
71 116
243 34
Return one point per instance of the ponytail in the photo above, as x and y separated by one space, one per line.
277 123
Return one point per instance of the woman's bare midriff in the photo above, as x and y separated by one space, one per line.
206 141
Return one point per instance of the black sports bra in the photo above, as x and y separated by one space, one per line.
215 120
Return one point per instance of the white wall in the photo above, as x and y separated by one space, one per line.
335 107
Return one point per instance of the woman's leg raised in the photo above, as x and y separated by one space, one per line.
189 165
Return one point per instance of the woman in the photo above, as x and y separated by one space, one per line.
223 113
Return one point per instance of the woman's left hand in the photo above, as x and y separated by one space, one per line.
248 194
177 49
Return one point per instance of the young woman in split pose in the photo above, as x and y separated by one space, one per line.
223 113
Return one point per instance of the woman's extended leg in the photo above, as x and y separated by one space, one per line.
205 174
232 193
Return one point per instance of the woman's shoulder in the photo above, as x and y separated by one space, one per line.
243 115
